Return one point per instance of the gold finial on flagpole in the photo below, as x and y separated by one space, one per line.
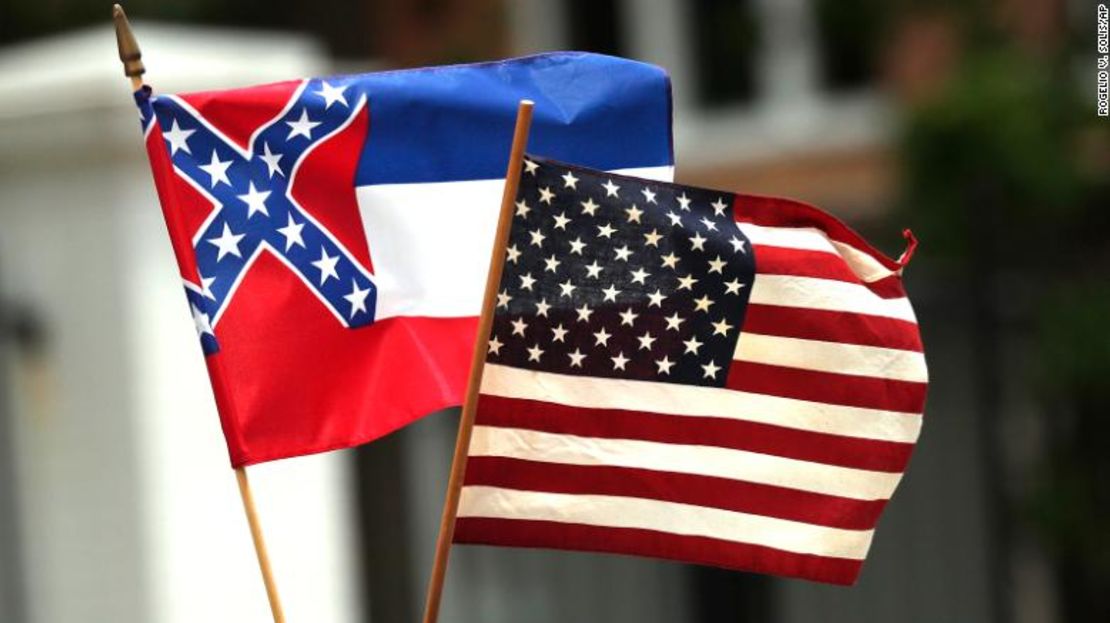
129 53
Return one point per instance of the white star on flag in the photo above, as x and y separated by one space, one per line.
628 317
271 159
673 321
535 353
206 286
332 94
292 233
326 264
570 181
711 370
256 201
576 358
357 298
692 345
719 207
301 127
519 326
217 170
201 322
178 138
560 334
589 207
227 243
495 346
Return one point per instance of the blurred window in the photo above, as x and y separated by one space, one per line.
849 33
725 40
594 26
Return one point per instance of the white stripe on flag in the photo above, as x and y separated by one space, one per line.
675 399
712 461
873 361
812 239
827 294
667 517
430 243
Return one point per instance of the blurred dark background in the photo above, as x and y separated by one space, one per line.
973 123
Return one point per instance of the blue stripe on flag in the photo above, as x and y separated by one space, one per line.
455 123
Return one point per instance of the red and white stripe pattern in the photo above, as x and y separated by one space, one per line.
785 470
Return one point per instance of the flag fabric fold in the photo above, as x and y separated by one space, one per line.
694 375
333 234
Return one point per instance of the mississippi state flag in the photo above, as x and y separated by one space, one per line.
691 374
333 234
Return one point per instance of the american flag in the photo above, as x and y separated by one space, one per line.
693 375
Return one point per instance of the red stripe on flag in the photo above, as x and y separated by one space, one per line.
828 387
780 212
885 456
709 491
832 326
822 265
692 549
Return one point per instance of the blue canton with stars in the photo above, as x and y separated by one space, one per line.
253 208
619 277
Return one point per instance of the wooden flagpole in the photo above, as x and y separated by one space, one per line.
132 58
477 364
259 544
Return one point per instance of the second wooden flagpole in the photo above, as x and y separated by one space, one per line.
132 58
477 364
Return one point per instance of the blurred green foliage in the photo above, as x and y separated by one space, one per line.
1007 175
1003 131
